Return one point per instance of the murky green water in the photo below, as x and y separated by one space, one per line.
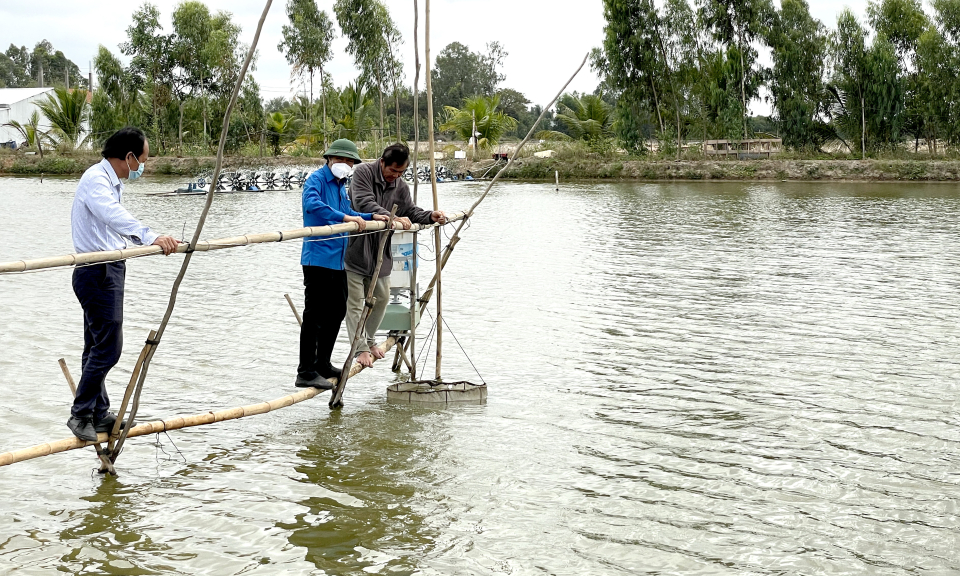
684 379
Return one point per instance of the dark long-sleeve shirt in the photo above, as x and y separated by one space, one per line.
369 192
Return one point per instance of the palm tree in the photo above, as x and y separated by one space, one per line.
31 132
352 120
280 127
585 118
482 112
67 111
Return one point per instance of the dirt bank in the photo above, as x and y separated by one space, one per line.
544 168
76 164
858 170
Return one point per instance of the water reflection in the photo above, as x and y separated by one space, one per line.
375 463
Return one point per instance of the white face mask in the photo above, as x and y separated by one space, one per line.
341 170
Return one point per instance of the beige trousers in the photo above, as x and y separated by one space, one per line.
357 287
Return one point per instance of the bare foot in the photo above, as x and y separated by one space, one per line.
365 360
377 352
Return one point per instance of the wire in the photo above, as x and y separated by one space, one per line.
467 356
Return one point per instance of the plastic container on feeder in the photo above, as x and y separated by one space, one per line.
397 315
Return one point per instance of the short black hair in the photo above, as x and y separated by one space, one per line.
124 141
395 155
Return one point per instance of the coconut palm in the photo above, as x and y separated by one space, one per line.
352 119
66 110
280 128
491 123
586 117
31 132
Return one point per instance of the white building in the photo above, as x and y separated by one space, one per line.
18 104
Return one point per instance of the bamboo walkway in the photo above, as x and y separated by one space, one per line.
176 423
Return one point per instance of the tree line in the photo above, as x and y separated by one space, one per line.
42 66
681 72
177 83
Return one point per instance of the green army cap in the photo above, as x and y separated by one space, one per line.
343 148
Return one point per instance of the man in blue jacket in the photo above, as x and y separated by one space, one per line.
325 202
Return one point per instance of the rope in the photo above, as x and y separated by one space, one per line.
467 356
427 349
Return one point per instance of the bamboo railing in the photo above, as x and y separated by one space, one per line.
88 258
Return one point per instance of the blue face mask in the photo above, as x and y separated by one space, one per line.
134 174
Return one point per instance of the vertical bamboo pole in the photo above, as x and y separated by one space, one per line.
294 308
105 464
414 295
433 180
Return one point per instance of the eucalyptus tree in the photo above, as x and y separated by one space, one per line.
151 64
307 44
632 61
735 25
947 18
797 81
460 73
204 56
935 89
373 41
902 22
850 79
868 85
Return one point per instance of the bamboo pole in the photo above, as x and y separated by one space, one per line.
129 391
293 307
433 183
456 235
105 464
157 426
416 180
155 342
87 258
336 397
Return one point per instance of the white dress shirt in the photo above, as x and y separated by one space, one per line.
98 220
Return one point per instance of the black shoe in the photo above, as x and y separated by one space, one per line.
106 423
315 382
82 428
331 371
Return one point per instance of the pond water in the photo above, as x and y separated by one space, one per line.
698 378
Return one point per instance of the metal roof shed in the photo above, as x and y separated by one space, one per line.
18 104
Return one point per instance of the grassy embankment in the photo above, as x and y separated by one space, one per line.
573 163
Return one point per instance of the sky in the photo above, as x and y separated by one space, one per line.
545 40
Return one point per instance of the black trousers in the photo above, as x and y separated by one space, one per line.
325 305
99 289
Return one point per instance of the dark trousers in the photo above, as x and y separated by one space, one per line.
325 305
99 289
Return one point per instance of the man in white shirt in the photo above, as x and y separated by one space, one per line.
99 222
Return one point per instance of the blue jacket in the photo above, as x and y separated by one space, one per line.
325 202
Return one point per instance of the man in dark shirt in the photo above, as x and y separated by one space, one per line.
375 188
